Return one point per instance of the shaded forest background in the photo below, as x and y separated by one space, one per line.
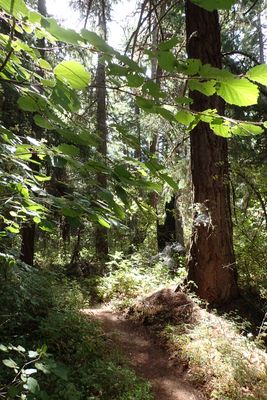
123 172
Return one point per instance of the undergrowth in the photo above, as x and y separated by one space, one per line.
223 362
49 350
230 365
129 277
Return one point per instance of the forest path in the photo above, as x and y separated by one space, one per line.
146 356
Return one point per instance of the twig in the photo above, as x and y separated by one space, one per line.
251 7
242 53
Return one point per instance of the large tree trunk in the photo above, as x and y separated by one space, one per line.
101 235
212 261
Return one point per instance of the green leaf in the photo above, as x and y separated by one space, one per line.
3 348
211 5
97 41
169 44
193 66
239 92
207 88
265 124
222 129
145 104
10 363
42 178
68 149
14 7
73 73
42 367
134 80
32 385
46 226
42 122
103 222
152 88
168 179
62 34
258 74
185 117
207 71
166 114
167 61
28 103
244 129
44 64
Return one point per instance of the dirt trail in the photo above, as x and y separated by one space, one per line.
146 356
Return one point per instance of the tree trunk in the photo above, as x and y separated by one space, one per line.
28 228
171 230
211 261
101 235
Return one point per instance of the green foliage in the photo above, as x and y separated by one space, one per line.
75 361
211 5
128 277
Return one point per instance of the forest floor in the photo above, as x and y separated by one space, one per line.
146 356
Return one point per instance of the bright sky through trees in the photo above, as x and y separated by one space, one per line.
122 18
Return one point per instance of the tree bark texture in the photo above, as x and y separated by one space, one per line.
101 235
211 260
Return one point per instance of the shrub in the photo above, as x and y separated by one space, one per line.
129 277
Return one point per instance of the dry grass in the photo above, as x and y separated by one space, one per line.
228 365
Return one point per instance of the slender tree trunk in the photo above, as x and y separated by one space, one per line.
212 261
101 235
28 229
261 40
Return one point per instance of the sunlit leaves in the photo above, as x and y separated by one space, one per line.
221 129
207 88
62 34
239 92
14 7
258 74
96 41
184 117
73 73
246 129
211 5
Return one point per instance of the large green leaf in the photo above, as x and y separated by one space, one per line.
97 41
239 92
211 5
185 117
68 149
207 88
258 74
42 122
207 71
14 7
62 34
167 61
28 103
223 129
73 73
245 129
